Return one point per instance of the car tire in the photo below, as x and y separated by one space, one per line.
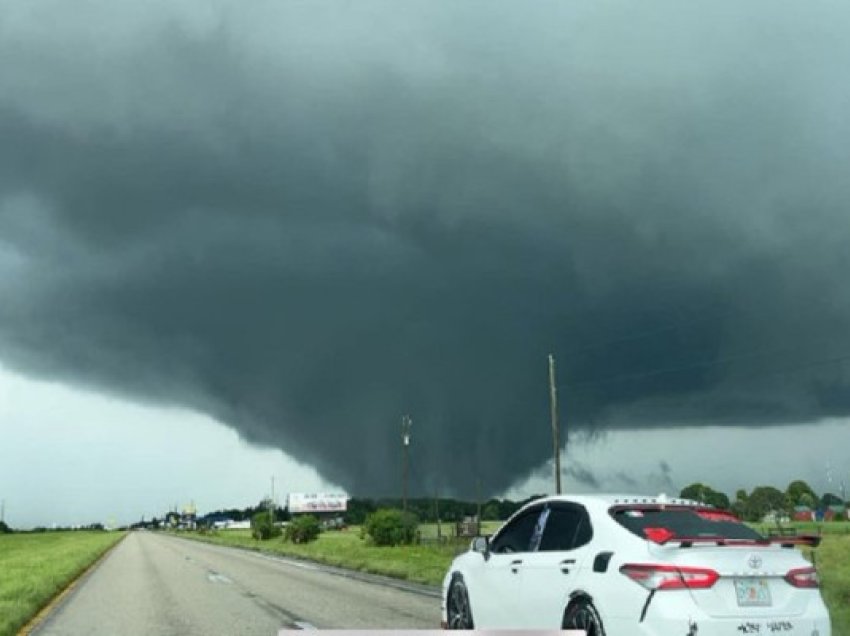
582 615
458 609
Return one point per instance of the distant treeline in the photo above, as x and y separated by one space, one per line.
243 514
799 499
5 529
426 509
752 506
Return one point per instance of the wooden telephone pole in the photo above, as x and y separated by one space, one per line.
272 503
556 437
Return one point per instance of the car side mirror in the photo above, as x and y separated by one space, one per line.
482 546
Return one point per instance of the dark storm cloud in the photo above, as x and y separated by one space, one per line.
626 479
582 474
664 477
573 470
308 219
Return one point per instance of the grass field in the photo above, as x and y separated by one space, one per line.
36 567
424 563
833 562
427 563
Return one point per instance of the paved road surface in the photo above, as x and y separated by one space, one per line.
158 585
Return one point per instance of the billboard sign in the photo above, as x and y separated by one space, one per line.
319 502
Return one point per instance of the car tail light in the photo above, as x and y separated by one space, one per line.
670 577
803 577
718 515
658 535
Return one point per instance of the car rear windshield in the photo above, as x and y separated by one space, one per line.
672 522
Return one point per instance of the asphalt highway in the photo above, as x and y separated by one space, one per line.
158 585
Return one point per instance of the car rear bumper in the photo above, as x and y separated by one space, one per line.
779 626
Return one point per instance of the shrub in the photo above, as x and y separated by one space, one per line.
302 529
391 527
262 528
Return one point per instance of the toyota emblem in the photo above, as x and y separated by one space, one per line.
754 561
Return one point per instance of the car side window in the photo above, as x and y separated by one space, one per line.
516 536
538 530
585 531
567 528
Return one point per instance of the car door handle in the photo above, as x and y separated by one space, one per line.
515 565
565 563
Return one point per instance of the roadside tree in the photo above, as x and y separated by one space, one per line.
490 511
262 527
799 490
765 499
705 494
302 529
390 527
830 499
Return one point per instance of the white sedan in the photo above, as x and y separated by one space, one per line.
630 566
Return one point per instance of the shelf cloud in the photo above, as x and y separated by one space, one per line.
309 219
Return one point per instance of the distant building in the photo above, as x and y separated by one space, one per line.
238 525
188 517
468 527
803 513
833 513
333 523
776 516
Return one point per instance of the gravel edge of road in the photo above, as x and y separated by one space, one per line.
62 596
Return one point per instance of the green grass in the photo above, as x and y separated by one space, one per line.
427 563
833 562
808 527
36 567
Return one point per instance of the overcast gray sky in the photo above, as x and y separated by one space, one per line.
265 232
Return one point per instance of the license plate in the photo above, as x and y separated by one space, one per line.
752 592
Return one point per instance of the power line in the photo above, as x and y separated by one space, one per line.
711 363
807 365
702 315
641 335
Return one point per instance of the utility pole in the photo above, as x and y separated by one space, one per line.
437 514
2 510
271 503
406 424
556 442
478 511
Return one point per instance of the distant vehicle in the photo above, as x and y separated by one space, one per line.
334 523
630 566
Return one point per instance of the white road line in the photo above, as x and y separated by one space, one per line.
215 577
297 564
305 625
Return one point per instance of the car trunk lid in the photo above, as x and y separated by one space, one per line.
729 569
752 580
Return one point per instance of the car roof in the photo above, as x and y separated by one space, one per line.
609 500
